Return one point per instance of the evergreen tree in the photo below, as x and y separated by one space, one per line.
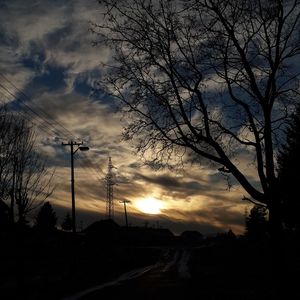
256 223
46 218
289 172
67 223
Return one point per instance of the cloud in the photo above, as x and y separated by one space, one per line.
45 33
45 50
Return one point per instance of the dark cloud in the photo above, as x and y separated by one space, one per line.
134 165
173 183
45 50
60 36
8 39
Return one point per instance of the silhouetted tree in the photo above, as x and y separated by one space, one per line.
231 235
7 150
46 218
206 79
4 216
67 223
31 183
289 172
256 223
24 180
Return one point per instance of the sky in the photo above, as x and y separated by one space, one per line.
48 62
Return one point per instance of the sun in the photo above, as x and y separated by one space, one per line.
149 206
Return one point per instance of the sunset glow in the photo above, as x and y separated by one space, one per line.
58 76
149 206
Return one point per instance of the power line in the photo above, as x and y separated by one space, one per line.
91 165
45 120
49 127
32 113
92 170
41 110
42 127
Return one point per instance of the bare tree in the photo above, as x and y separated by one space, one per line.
6 150
31 183
209 78
25 180
8 137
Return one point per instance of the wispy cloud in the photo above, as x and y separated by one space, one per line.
46 51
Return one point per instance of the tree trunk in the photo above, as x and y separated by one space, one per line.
20 262
275 220
276 247
12 196
12 209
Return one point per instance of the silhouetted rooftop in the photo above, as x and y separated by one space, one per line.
102 226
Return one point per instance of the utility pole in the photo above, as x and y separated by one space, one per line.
125 211
81 148
109 191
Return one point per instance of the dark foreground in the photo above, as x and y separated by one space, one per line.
59 266
216 273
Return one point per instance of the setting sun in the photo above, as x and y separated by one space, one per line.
149 206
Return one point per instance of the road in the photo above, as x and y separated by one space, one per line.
164 280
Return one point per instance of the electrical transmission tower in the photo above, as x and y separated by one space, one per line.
109 191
